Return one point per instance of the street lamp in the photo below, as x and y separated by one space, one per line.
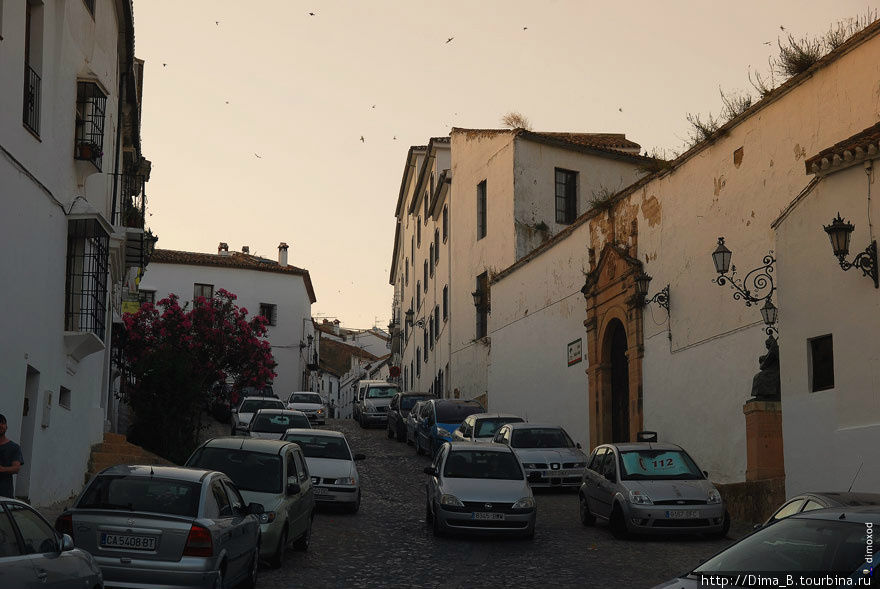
409 317
757 285
643 281
839 232
481 301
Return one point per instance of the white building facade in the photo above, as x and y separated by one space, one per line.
272 288
72 179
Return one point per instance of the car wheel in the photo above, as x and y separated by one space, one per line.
251 580
618 524
437 527
587 517
277 560
218 580
429 517
530 533
302 543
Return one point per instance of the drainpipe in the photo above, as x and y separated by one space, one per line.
449 226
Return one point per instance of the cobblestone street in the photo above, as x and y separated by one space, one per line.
387 544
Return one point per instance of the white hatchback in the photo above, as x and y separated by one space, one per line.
309 403
331 464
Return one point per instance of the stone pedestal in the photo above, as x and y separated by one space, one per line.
764 458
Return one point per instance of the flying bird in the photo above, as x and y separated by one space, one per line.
164 65
525 28
766 42
395 137
781 28
449 40
217 22
258 156
311 14
374 106
227 102
620 109
362 139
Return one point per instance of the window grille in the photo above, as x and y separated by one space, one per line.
425 349
419 232
566 196
85 301
483 308
91 105
31 115
445 302
436 322
481 210
431 258
436 246
445 222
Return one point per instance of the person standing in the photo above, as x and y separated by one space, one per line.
10 460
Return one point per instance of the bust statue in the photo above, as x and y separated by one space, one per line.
766 384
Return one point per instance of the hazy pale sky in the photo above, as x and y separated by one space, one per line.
253 111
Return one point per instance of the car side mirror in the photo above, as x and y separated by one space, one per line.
706 473
360 456
256 508
431 470
578 445
66 543
293 488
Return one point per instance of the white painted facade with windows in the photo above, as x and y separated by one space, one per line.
290 292
55 334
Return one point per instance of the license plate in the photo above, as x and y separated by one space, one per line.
321 491
127 542
683 514
486 515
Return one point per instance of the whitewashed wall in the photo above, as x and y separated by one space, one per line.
252 287
830 433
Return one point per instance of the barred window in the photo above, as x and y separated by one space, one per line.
430 330
147 296
270 312
436 321
445 302
566 196
481 210
445 222
91 105
431 258
436 246
85 300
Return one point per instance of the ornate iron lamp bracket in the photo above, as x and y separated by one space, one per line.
756 282
661 298
865 261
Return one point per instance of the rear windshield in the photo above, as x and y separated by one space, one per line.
277 423
486 428
253 405
317 446
139 493
541 437
409 402
478 464
250 471
250 391
381 392
305 398
455 412
658 464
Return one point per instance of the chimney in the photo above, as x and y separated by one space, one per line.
245 249
223 249
336 326
282 254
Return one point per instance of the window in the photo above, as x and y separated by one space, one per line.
85 301
202 290
147 296
419 232
8 541
270 312
436 316
566 196
431 257
406 272
425 349
483 308
33 58
425 283
428 197
412 251
481 210
235 499
418 294
301 466
412 372
405 376
221 499
418 364
91 104
64 397
445 302
431 330
440 383
821 363
37 536
436 246
90 6
445 222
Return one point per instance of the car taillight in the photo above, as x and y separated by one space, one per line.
64 524
199 542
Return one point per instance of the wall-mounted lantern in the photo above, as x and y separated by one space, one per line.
757 285
643 281
839 232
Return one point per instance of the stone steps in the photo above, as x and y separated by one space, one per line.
116 450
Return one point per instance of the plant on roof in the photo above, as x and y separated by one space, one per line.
515 120
602 199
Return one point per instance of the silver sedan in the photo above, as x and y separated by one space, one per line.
547 453
165 527
478 488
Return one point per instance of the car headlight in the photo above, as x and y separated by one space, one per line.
345 481
443 433
320 411
525 503
639 498
267 517
447 499
714 496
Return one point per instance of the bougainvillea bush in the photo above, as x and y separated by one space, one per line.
173 357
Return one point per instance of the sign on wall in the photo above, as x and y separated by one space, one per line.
574 352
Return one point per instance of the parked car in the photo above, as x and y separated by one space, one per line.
312 404
168 526
642 487
478 488
811 501
398 410
373 406
438 418
244 412
32 554
332 466
816 544
264 391
270 424
273 473
412 421
482 427
547 453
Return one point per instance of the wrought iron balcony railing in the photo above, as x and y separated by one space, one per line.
31 115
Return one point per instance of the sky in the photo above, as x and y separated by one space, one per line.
253 112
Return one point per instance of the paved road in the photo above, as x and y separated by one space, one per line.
387 544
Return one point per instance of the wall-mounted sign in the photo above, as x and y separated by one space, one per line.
574 352
131 306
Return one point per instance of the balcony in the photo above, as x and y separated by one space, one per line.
31 115
91 105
